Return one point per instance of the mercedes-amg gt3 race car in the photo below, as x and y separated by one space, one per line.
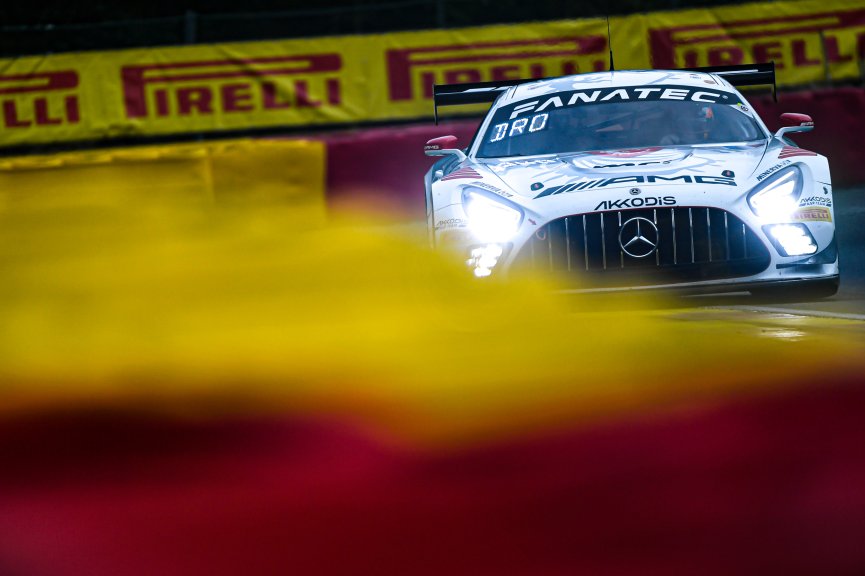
635 179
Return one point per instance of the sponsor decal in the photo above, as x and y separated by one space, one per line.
491 188
207 87
816 201
505 166
815 214
614 94
614 159
39 99
743 109
622 165
650 179
412 72
646 202
536 186
637 157
630 153
772 170
454 237
462 174
802 43
790 151
519 127
451 223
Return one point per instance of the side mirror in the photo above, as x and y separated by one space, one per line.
793 122
444 146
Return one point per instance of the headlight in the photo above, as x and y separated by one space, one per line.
490 219
484 258
776 199
791 239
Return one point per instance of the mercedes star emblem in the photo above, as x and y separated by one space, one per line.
638 237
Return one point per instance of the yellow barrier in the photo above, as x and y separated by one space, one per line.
247 309
274 172
363 78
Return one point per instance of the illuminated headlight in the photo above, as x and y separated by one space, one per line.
490 220
776 199
484 258
792 239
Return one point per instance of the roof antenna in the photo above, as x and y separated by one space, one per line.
610 44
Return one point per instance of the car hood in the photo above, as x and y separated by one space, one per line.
536 176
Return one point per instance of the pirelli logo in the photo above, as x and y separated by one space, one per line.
39 99
413 71
208 87
813 214
802 41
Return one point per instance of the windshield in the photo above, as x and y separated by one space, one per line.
633 117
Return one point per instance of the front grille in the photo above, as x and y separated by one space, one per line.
693 244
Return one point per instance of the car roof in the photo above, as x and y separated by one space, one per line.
611 79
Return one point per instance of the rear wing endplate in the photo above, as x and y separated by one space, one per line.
471 93
744 74
480 92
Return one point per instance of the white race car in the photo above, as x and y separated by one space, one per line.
635 179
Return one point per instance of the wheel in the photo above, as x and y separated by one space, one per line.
812 290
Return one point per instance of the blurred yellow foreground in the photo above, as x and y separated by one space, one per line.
118 293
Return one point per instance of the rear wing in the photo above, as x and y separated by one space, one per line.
744 74
471 92
480 92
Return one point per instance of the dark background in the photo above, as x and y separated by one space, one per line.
62 26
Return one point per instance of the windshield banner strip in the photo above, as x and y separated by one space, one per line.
616 94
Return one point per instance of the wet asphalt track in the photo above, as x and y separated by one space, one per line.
849 302
841 316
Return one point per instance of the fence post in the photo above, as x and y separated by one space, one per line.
190 27
441 17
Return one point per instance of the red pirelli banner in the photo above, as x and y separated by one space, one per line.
354 79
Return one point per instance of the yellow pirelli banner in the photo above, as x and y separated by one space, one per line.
413 62
355 79
187 89
813 41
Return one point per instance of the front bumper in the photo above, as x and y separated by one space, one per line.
697 249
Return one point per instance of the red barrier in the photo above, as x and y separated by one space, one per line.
385 166
839 126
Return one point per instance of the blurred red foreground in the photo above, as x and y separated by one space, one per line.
773 485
